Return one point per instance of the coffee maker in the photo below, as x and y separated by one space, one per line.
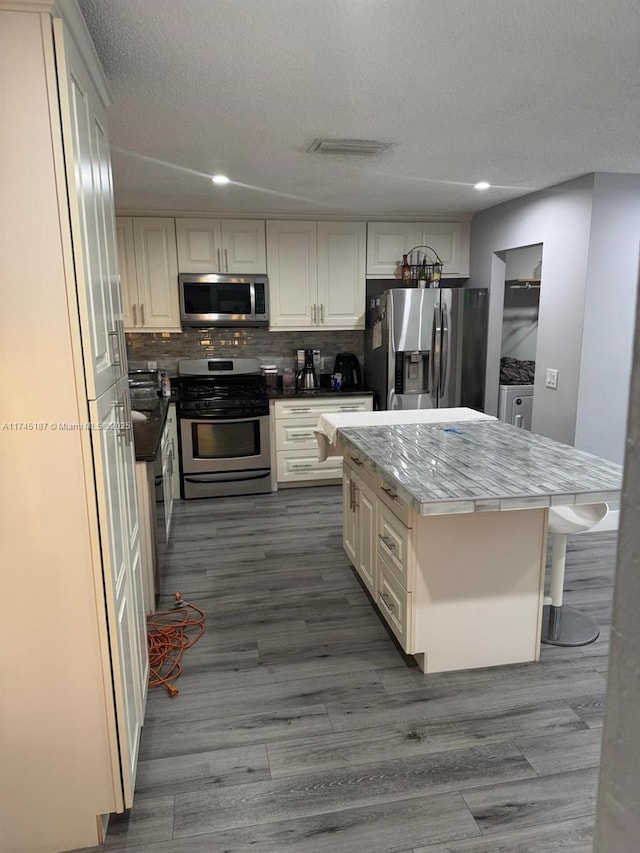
307 378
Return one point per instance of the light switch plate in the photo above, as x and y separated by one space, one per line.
552 379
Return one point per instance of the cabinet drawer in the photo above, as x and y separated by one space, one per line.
390 498
296 434
393 544
300 465
395 604
359 469
300 407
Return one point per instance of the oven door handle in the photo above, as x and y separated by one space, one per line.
236 479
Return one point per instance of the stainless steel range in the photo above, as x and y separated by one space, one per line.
223 413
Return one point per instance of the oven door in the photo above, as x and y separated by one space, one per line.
222 457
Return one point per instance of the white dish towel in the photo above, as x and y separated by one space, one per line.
328 425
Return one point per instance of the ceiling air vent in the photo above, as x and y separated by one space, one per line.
358 147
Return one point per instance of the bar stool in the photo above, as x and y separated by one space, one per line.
562 625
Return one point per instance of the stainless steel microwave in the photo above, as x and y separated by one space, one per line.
224 300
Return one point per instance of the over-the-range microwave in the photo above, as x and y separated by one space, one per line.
224 300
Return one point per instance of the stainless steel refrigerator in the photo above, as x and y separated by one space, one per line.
425 349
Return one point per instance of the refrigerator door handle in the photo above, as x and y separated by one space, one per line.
444 356
434 360
432 354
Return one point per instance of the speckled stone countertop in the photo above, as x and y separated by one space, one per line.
147 434
480 466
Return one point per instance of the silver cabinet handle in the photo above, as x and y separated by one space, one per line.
518 421
349 409
392 494
356 461
218 253
303 436
116 357
301 466
143 321
321 312
313 313
226 261
388 542
351 495
303 410
135 314
384 598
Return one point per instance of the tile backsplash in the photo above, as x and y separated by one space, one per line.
279 348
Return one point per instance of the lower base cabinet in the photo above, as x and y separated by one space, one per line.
452 598
296 448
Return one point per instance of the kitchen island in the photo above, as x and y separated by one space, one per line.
446 524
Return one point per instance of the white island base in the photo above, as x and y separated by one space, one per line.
459 591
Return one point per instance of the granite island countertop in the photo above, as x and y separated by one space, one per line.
480 466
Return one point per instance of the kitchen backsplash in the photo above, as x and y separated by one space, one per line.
278 348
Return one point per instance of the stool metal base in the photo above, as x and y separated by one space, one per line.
566 626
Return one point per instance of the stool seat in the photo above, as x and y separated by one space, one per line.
576 518
562 625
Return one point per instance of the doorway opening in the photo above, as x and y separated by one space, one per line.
523 275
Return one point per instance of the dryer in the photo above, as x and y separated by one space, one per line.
515 405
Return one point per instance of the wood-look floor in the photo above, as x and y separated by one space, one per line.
300 726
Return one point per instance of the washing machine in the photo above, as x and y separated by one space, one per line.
515 405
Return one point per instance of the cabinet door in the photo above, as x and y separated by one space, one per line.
244 246
366 535
127 270
199 245
387 242
125 611
341 274
292 265
88 173
157 270
348 515
451 242
172 420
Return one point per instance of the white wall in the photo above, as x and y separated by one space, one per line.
612 278
560 219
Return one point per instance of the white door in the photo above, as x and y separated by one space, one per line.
387 242
292 265
157 271
243 246
341 274
127 270
88 177
199 246
112 460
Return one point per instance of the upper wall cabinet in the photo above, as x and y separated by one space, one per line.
221 246
148 274
316 274
387 242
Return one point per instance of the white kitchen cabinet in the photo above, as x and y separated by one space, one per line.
359 525
387 242
296 447
172 421
221 246
149 299
72 549
316 274
168 445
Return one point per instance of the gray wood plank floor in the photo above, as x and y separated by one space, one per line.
301 726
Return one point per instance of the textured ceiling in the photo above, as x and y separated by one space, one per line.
521 93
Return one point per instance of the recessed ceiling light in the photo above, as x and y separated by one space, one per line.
220 179
482 185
